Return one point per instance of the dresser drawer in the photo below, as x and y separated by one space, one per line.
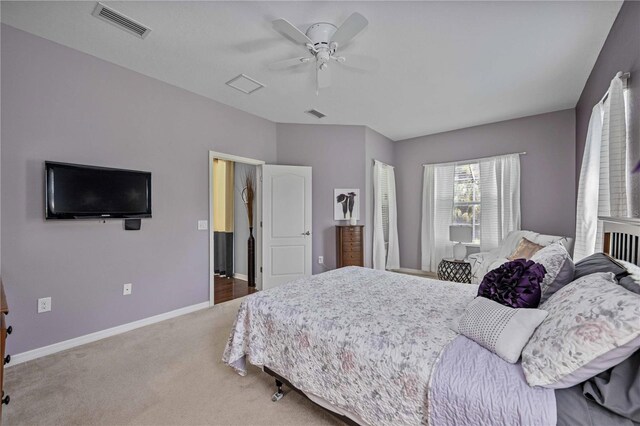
352 246
351 237
3 337
352 256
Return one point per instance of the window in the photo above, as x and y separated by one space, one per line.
466 198
384 190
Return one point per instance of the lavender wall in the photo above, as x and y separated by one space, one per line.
621 52
377 147
547 171
336 154
60 104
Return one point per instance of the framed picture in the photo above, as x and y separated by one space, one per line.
346 204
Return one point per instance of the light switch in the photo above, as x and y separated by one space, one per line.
203 225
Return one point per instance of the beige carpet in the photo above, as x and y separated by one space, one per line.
167 373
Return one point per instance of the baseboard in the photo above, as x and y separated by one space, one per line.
416 272
242 277
98 335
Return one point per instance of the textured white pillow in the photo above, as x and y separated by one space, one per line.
501 329
593 324
560 268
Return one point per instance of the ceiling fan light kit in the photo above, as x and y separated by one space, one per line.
322 40
320 34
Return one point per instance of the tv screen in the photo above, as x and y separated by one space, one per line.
75 191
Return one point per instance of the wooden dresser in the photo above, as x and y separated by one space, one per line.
4 331
349 245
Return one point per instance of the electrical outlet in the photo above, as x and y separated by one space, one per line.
203 225
321 260
126 290
44 305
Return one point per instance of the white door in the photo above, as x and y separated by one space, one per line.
286 224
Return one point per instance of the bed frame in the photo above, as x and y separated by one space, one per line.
621 238
280 393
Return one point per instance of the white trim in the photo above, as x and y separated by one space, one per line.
257 227
98 335
235 158
242 277
473 160
415 272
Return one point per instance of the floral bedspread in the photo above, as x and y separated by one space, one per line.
363 340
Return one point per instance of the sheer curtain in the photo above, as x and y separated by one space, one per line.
500 194
602 190
386 251
437 214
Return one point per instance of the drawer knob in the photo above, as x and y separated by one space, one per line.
7 359
6 400
9 330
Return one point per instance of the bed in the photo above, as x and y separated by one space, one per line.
375 348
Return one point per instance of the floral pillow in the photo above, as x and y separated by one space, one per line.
559 266
593 324
516 284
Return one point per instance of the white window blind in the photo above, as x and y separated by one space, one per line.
384 192
467 198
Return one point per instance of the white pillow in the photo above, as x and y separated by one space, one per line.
501 329
632 269
593 325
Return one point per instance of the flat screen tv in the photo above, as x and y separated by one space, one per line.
74 191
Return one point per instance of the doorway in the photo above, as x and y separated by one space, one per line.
235 255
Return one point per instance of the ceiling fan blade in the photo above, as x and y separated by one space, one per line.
351 27
323 77
287 29
288 63
361 63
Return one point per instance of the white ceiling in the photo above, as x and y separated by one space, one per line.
443 65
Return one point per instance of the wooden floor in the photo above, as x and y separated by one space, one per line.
226 289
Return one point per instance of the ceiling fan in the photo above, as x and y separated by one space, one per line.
323 40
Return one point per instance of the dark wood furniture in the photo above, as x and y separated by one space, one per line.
349 245
454 270
4 331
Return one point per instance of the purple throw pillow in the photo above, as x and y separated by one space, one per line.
516 284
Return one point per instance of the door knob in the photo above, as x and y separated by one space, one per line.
7 359
9 330
306 233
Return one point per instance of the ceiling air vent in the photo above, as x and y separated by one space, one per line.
118 19
245 84
316 113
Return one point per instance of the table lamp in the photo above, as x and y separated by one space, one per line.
460 234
